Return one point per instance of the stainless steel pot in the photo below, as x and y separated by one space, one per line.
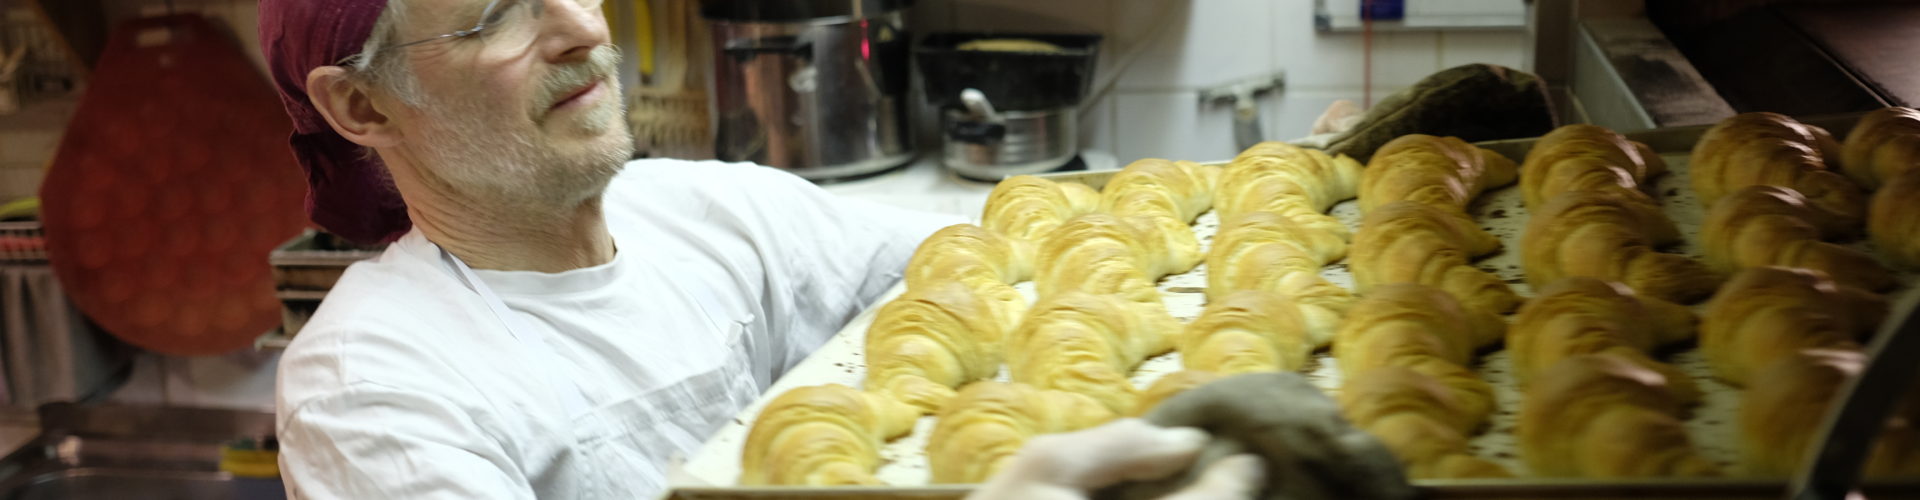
985 144
818 87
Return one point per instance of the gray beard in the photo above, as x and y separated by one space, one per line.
522 171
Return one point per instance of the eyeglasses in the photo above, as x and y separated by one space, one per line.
500 24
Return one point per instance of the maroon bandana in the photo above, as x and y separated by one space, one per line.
348 193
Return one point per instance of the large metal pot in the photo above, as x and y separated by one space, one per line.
818 87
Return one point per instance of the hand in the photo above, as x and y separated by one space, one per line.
1069 466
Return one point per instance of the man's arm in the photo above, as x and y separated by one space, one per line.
835 255
369 441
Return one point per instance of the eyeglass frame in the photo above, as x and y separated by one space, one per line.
478 28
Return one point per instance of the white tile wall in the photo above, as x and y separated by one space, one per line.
1188 45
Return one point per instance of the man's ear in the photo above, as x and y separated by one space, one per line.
349 108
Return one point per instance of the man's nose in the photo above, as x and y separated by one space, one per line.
570 30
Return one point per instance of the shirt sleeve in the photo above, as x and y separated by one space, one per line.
368 441
833 256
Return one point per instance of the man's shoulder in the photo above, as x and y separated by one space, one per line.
655 178
387 321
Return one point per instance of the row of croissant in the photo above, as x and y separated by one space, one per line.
1597 403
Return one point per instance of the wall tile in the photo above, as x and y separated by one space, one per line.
1317 60
1190 45
1097 125
1171 125
1505 48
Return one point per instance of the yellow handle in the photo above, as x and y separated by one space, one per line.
642 31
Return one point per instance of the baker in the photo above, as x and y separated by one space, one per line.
550 319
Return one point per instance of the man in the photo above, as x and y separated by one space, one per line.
552 324
548 323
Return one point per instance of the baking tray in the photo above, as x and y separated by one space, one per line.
1712 424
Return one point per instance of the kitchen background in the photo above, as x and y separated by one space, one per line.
1158 54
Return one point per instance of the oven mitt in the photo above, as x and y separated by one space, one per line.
1310 451
1475 102
1067 466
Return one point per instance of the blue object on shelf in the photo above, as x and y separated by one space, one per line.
1383 10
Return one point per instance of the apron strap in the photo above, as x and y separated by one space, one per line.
569 393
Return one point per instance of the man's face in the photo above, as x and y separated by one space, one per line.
527 114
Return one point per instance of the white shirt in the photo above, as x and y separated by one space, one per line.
405 385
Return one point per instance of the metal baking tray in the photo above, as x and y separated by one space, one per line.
1502 212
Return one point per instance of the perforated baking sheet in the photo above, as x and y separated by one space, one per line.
1712 423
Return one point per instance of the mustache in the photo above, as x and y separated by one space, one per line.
564 80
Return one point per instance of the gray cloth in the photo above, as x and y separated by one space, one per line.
1311 452
1475 102
47 349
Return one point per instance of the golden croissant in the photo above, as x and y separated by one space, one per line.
1776 226
1766 313
1420 419
1103 254
1025 207
1152 186
1410 242
1893 224
1781 415
1088 344
1170 385
1297 183
1307 251
1265 251
1611 237
1244 332
980 431
930 340
1413 326
824 435
1441 171
1579 315
968 253
1600 416
1772 149
1586 158
1883 145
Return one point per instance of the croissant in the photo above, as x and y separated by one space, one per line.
1265 251
1586 158
1603 417
1418 327
1088 344
1025 207
980 259
968 253
1246 331
930 340
1782 413
1612 237
1170 385
1579 315
1410 242
1443 171
1298 183
988 422
1893 226
1419 419
1307 250
1883 145
1766 313
1776 226
822 435
1772 149
1103 254
1159 187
